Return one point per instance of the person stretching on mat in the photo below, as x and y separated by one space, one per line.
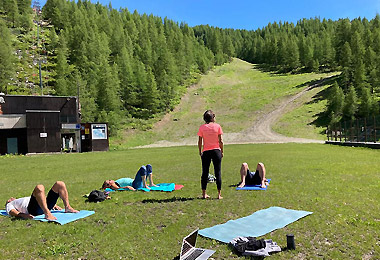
140 181
38 203
210 137
253 178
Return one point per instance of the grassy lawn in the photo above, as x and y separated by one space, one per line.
237 92
341 185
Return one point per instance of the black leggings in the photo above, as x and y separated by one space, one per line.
216 157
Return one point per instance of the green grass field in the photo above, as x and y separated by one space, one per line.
341 185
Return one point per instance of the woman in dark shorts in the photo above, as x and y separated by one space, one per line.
253 178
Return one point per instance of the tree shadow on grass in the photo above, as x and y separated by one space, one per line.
320 119
174 199
281 70
319 82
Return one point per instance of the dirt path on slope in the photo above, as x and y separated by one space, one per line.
260 131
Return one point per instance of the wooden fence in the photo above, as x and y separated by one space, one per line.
363 130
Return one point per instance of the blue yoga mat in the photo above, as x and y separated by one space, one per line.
258 224
253 187
62 217
160 187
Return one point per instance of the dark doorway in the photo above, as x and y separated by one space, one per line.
12 145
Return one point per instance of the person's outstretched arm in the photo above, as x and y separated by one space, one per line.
145 185
18 214
128 187
151 180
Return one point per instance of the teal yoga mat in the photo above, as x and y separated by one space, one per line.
258 224
168 187
62 217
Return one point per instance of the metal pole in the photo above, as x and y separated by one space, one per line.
374 127
39 58
327 132
39 68
345 132
351 132
365 129
357 129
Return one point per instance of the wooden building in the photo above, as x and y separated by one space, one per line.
38 124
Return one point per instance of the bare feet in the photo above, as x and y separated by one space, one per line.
50 216
263 185
220 197
205 196
70 210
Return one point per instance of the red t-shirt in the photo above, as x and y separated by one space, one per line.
210 132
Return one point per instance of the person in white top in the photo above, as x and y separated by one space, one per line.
38 203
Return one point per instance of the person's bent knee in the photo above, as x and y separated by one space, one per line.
39 188
260 164
59 184
244 165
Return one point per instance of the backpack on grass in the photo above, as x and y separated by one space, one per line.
97 196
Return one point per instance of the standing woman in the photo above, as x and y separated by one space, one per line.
210 136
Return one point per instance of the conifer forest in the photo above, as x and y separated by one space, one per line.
129 65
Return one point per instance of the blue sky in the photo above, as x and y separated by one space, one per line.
247 14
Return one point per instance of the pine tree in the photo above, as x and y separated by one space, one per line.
6 56
342 35
367 102
335 103
350 104
359 75
151 95
346 56
11 8
25 11
292 58
62 70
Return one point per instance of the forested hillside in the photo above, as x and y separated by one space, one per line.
122 64
128 65
352 47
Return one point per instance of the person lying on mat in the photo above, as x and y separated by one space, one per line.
38 203
140 181
253 178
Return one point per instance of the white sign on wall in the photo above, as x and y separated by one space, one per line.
43 135
99 131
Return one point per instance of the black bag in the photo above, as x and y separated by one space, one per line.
97 196
250 244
